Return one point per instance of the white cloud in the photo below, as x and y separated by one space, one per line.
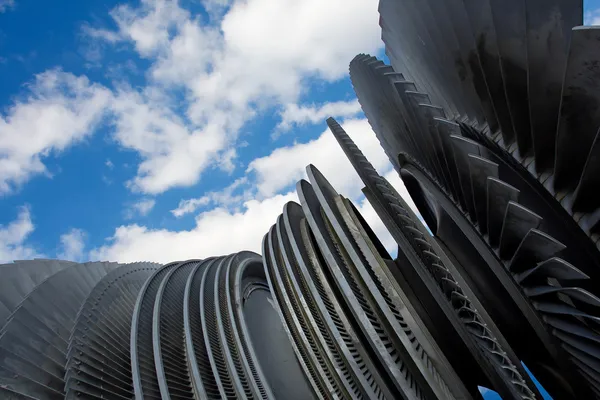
147 25
140 208
293 114
6 5
217 232
187 206
13 238
73 245
223 198
286 165
257 55
109 164
173 154
60 110
244 211
592 17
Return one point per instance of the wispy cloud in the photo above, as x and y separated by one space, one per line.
59 110
592 17
294 114
223 198
6 5
140 208
13 238
72 245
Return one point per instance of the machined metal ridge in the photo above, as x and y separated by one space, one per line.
203 380
309 271
145 384
228 343
432 355
304 335
384 305
21 338
397 216
237 270
338 371
171 372
315 385
99 342
22 277
228 378
362 313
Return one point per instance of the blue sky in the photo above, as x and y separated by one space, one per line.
160 130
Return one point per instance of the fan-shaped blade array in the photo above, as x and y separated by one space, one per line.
141 330
489 113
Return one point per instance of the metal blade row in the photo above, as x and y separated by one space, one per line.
429 268
522 72
332 249
98 358
186 341
528 250
33 341
492 207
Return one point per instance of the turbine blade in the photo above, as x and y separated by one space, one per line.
518 221
579 112
549 24
555 267
481 168
511 37
499 194
535 247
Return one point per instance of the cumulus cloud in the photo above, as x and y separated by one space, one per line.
254 54
229 196
13 238
140 208
294 114
242 213
218 231
257 54
173 153
72 245
59 110
205 80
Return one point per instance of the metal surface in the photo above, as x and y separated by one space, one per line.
119 331
516 199
489 114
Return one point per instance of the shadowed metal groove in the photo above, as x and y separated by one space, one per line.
204 383
362 311
310 271
167 335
